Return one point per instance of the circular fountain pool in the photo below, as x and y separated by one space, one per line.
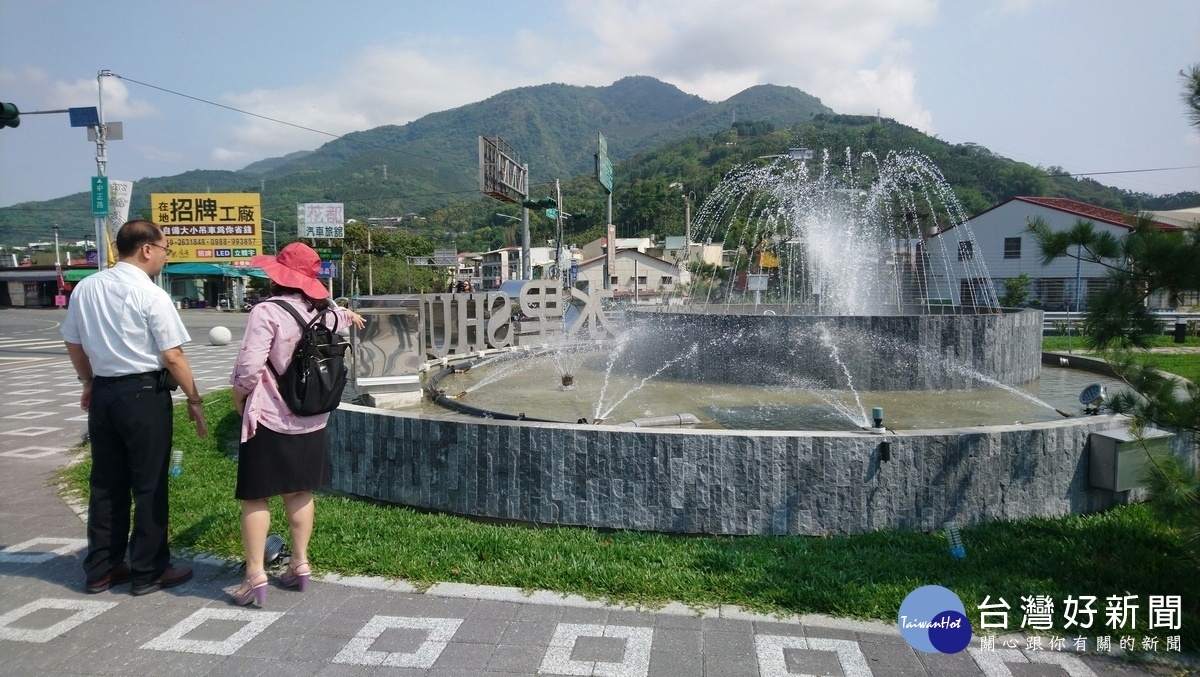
531 385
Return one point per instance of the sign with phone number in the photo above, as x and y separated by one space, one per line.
210 227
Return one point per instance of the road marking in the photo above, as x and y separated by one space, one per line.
32 452
357 650
636 661
993 663
773 663
84 611
31 431
255 622
15 554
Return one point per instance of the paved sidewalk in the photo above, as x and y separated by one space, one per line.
368 626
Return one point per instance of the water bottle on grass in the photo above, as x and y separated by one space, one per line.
176 463
954 539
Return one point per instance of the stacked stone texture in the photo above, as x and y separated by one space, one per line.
717 482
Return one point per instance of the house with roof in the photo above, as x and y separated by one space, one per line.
1006 249
636 277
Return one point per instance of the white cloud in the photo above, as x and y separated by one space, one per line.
42 92
381 86
830 49
845 53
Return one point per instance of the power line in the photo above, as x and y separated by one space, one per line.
1125 171
289 124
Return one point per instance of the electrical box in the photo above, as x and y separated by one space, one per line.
1118 460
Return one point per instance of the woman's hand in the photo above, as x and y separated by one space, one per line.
358 320
239 402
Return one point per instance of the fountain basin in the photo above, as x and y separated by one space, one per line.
876 353
718 481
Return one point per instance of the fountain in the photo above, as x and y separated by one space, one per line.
863 307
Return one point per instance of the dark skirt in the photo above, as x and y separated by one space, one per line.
272 463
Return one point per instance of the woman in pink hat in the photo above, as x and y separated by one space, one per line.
281 453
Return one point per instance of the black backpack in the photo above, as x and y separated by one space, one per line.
315 378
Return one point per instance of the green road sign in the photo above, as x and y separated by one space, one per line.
99 196
603 165
552 213
329 253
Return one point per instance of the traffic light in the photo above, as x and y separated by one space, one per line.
544 203
10 116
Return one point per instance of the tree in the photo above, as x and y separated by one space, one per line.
1144 261
1016 291
1191 93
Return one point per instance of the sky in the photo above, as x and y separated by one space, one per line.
1091 86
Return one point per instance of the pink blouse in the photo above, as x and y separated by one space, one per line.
272 334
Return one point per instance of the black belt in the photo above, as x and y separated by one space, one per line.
129 377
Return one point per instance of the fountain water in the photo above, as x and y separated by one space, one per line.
860 293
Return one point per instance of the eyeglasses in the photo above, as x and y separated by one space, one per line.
165 249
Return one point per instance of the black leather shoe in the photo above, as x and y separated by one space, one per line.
116 576
170 578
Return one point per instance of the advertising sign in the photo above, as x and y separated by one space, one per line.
501 174
321 220
210 227
119 194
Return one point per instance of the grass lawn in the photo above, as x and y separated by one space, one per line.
1119 552
1186 365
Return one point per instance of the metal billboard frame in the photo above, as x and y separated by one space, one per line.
501 174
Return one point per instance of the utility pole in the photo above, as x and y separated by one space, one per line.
102 244
274 237
526 258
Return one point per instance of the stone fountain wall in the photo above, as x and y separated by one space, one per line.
717 482
899 352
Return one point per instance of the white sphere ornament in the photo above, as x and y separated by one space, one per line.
219 336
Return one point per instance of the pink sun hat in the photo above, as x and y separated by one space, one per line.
295 266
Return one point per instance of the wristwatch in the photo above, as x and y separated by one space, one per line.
85 381
195 401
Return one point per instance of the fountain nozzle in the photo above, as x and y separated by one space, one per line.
877 418
460 395
568 379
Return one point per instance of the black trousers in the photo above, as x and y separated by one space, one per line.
130 426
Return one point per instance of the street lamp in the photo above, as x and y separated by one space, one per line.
687 216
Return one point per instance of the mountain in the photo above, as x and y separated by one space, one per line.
430 165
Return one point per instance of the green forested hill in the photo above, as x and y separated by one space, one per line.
656 135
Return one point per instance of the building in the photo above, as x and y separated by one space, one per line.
1006 249
636 277
500 265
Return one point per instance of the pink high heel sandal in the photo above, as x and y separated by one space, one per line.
292 577
255 590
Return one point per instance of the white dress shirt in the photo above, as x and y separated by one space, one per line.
123 321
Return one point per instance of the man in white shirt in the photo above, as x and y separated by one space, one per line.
124 337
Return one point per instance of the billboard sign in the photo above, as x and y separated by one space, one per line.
501 174
321 220
210 227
